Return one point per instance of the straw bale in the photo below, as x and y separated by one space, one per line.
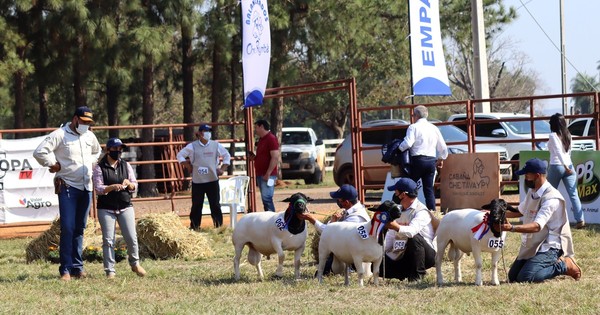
314 242
38 248
163 236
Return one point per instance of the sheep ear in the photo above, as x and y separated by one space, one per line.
309 199
511 208
288 199
486 207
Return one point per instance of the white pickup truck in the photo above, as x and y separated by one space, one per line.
302 155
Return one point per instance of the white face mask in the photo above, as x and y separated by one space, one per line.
206 135
81 128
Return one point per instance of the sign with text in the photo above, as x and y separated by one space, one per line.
469 180
256 50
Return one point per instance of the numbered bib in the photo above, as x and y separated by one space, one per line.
496 242
202 170
280 224
399 245
362 232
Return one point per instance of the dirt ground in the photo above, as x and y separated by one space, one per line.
322 205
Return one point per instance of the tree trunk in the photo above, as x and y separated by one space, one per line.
43 104
19 106
216 101
187 71
112 100
147 171
78 90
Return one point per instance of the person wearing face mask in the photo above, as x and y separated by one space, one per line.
546 242
409 247
70 153
114 182
201 158
346 198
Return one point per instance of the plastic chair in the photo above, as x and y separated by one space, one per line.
233 196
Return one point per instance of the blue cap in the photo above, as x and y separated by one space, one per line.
204 127
534 165
404 184
346 192
114 142
84 113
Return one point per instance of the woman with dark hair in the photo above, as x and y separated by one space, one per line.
561 166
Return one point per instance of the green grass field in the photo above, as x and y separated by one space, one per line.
207 286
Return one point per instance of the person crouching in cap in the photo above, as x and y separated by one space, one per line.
114 183
547 251
346 198
409 249
201 158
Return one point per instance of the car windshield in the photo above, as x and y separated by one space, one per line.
295 137
452 133
524 127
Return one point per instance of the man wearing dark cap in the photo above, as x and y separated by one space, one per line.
352 211
70 152
546 244
201 158
409 249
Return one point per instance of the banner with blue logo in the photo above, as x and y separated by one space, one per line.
427 54
256 50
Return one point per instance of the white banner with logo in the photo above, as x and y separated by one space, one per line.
26 188
256 50
428 64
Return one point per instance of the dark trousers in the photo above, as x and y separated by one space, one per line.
214 199
418 257
74 208
423 168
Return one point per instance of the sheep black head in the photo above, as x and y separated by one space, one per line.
297 205
386 212
497 214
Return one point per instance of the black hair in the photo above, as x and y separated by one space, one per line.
263 123
412 194
558 124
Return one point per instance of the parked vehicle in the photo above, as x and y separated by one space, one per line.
343 172
302 155
583 127
509 130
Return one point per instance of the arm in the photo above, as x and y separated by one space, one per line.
409 139
99 186
546 210
186 152
226 159
415 226
44 153
556 149
441 148
272 163
131 182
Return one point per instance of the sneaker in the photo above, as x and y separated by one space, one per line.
138 270
580 225
81 275
65 277
110 275
573 270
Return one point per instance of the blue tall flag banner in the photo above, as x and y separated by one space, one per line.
427 54
256 50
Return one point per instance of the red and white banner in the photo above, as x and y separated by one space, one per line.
26 188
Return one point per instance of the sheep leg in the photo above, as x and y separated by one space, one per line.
455 255
495 259
346 274
478 262
236 260
323 255
376 266
439 258
276 242
297 256
360 270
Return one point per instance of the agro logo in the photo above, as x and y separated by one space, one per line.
587 188
35 203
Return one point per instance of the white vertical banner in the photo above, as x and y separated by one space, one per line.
26 188
428 64
256 50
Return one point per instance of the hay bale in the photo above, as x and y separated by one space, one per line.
39 247
314 242
163 236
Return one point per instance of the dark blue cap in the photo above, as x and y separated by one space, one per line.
404 184
114 142
346 192
535 166
84 113
204 127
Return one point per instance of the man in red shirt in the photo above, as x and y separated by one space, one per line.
265 163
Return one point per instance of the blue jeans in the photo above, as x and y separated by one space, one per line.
556 173
108 220
540 267
74 208
266 192
423 168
